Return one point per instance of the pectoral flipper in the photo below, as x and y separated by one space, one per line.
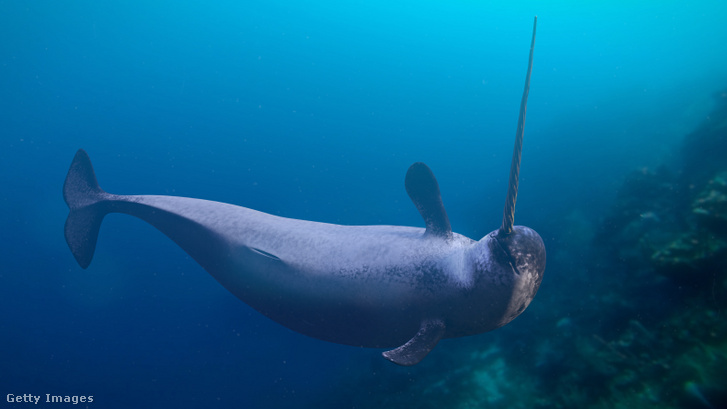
430 332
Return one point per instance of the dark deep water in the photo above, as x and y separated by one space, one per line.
314 110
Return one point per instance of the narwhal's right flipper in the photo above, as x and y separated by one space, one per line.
430 332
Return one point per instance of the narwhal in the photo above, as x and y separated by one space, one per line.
367 286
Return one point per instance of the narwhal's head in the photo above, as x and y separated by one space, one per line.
520 256
507 270
523 250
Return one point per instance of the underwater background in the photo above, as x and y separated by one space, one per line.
314 110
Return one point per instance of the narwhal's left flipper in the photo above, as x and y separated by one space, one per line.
430 332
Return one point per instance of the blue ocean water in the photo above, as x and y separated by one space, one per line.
315 110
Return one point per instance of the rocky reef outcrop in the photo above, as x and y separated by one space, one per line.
673 222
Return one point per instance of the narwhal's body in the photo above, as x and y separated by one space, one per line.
370 286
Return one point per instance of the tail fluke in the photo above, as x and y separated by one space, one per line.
85 199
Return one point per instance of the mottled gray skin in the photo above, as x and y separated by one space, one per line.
369 286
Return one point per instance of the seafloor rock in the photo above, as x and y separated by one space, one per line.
710 206
699 252
643 218
674 223
693 257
